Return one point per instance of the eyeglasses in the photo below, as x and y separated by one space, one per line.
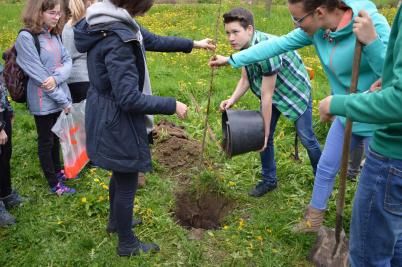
299 21
53 13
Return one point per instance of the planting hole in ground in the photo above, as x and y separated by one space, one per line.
206 212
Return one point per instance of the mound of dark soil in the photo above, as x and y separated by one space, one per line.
173 149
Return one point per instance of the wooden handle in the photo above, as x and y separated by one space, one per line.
346 147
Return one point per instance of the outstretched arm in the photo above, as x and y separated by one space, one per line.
273 47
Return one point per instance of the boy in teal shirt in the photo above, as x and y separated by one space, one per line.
283 86
376 226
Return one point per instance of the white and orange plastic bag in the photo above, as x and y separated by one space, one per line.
70 128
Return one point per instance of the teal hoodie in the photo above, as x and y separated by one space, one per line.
336 51
384 106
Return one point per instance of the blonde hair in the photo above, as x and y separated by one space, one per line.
77 10
32 16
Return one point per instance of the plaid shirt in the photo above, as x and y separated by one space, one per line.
292 89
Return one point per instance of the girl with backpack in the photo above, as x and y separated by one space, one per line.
116 106
47 91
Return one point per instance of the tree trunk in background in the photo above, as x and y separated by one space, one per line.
399 3
268 4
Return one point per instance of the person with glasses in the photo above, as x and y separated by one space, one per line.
332 26
47 92
376 225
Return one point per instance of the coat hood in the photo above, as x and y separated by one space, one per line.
100 18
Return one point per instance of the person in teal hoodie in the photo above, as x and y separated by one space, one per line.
329 25
376 226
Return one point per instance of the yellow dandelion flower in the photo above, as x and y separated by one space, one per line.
105 187
260 238
225 227
96 180
84 200
231 183
241 223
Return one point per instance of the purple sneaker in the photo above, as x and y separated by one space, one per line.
61 189
60 176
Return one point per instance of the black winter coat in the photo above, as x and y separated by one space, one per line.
115 122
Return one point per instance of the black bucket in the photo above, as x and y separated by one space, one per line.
242 131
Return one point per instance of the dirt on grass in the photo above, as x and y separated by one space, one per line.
173 148
205 212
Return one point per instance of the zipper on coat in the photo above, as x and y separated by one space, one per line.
133 129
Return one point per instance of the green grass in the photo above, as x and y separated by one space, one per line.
69 231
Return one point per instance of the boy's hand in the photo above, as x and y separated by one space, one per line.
3 137
218 61
181 110
364 28
225 104
376 85
206 43
49 83
323 108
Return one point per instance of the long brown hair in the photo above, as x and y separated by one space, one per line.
32 15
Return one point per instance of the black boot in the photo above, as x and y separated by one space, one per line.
138 247
12 200
6 218
111 226
262 188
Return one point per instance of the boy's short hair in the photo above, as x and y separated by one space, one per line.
243 16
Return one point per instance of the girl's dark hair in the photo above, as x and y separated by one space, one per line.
134 7
310 5
32 15
243 16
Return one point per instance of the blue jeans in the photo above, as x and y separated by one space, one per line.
376 226
304 128
330 163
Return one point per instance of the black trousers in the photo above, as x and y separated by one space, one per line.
122 189
78 91
5 157
48 147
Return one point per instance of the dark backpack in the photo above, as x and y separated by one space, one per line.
14 77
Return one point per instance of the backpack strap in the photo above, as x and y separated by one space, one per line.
35 37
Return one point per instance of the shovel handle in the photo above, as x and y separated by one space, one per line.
346 147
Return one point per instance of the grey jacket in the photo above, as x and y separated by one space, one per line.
53 61
79 72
